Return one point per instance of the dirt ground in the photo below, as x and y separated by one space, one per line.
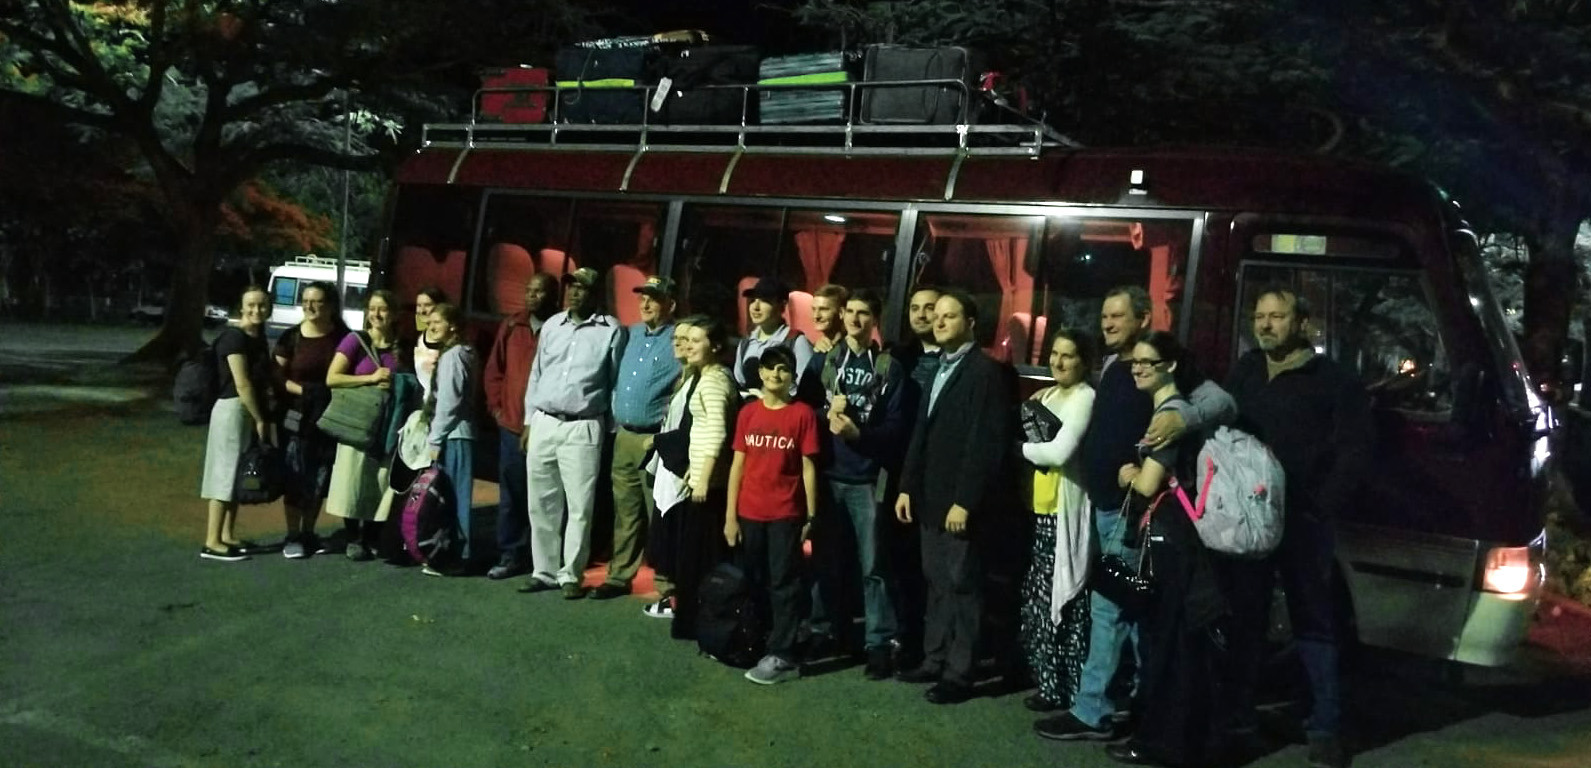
119 647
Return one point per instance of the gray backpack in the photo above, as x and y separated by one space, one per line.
1241 487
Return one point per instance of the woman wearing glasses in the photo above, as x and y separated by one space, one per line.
1180 629
303 357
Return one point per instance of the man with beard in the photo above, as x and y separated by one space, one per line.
1316 417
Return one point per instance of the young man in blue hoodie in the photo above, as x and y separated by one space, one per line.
866 409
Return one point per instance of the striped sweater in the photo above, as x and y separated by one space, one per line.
712 409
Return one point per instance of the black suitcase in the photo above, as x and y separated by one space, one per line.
942 104
597 85
805 105
680 100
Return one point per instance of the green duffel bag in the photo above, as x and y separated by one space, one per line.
357 415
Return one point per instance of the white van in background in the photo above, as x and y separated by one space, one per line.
289 280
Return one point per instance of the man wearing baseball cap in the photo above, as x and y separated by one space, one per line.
765 305
647 371
566 418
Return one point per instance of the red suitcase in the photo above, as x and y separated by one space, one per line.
513 106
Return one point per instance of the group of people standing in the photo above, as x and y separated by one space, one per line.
276 394
928 515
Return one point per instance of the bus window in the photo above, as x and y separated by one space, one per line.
432 232
354 297
284 291
725 249
1378 323
524 235
1032 273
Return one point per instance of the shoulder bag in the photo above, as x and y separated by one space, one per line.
354 417
674 446
1129 585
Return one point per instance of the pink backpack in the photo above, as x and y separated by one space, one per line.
429 531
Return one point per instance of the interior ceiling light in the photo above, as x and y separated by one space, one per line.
834 217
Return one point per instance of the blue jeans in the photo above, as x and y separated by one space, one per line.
1109 630
849 526
513 516
458 465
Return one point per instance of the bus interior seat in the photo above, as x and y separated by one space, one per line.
512 269
417 266
623 279
798 315
1021 340
554 262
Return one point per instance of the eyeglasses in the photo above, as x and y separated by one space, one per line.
1144 363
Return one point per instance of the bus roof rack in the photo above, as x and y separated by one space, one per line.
1013 133
313 260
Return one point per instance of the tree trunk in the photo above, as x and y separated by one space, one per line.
1551 282
183 324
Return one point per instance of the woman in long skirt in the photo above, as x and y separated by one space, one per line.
238 416
1055 618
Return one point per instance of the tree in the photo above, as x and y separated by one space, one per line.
211 93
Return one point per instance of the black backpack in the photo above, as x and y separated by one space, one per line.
197 385
728 625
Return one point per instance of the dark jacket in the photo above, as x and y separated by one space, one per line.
883 430
1316 418
958 453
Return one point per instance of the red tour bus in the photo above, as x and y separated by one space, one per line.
1442 556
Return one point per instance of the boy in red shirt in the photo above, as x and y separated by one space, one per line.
776 441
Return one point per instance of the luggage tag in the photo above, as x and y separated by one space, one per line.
664 86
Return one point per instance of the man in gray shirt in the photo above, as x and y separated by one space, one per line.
566 419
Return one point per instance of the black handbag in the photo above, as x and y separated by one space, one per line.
1039 423
1129 585
674 446
262 474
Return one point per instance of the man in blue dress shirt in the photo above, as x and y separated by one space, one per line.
647 372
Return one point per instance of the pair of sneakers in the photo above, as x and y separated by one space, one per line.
303 545
773 670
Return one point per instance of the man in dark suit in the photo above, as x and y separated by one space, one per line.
951 473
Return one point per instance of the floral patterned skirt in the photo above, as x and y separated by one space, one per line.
1054 652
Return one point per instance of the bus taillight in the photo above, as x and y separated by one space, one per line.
1511 572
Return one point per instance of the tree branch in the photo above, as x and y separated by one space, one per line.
279 95
249 162
63 112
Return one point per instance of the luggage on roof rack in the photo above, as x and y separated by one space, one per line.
685 86
511 95
823 102
941 103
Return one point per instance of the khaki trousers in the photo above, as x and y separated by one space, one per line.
632 506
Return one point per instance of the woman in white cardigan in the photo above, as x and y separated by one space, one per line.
1054 594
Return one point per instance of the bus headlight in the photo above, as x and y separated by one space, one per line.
1511 572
